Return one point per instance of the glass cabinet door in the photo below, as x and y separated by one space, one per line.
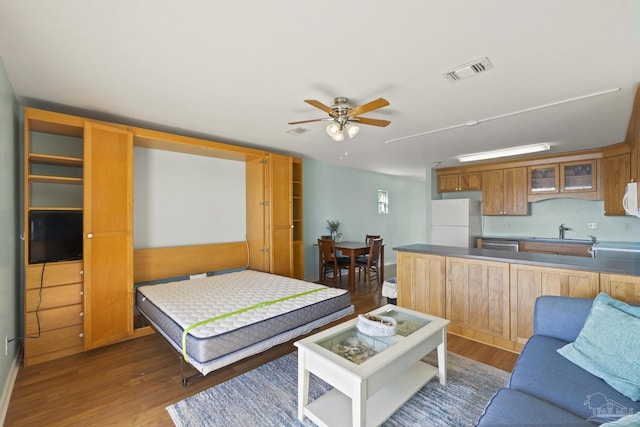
578 176
543 179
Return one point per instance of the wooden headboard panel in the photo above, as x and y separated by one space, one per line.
162 263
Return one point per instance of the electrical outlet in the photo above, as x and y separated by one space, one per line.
6 345
592 226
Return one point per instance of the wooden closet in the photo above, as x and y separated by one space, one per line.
77 164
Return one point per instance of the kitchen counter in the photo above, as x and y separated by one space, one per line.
619 263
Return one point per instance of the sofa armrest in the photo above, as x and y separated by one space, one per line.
560 317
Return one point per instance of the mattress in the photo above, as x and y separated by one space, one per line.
224 314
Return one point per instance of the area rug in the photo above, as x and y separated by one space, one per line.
267 396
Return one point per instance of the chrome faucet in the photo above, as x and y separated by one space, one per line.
562 229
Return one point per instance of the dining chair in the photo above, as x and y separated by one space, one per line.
363 257
330 261
369 237
370 267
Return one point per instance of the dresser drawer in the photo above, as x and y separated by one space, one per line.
54 318
52 297
70 338
53 274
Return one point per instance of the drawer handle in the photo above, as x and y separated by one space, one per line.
82 314
89 235
81 292
81 335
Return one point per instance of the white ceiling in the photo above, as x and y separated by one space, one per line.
238 71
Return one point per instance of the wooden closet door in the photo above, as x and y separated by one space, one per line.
281 250
108 240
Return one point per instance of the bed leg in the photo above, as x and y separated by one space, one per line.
186 380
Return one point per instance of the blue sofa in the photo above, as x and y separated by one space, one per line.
545 389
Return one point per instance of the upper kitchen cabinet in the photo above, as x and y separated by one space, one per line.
459 182
567 179
504 192
616 173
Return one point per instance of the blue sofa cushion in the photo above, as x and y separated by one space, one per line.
551 317
609 345
542 372
513 408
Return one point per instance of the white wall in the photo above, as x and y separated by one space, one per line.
184 199
350 196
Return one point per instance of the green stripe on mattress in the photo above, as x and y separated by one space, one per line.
242 310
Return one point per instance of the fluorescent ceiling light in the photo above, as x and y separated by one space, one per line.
514 151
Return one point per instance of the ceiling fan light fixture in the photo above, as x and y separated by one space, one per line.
338 136
333 129
352 130
513 151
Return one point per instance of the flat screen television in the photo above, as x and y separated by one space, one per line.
54 236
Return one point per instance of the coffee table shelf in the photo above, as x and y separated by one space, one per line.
368 391
334 408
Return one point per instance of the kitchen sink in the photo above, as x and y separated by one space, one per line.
553 240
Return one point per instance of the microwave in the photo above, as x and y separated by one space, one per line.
630 200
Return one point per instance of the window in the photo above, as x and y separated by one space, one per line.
383 202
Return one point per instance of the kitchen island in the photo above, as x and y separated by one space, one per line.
489 295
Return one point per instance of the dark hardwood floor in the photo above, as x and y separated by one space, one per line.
131 383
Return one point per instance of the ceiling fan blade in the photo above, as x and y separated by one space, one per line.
369 106
307 121
373 122
321 106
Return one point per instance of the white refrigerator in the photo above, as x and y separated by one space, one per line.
455 222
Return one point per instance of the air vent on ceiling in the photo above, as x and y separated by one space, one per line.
296 131
470 69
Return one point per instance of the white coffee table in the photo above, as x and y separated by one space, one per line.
371 386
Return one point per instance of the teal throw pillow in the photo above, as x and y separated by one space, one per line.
632 420
609 345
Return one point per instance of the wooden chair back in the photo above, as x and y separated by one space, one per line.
374 252
370 237
327 249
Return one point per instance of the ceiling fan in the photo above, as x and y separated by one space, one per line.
344 116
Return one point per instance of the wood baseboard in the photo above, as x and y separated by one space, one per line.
8 386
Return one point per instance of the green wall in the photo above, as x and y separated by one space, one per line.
9 228
350 196
545 218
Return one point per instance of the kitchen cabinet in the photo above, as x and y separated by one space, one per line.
421 282
635 158
493 301
622 287
477 297
566 179
504 192
616 174
467 181
530 282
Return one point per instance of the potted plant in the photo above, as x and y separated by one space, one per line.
333 226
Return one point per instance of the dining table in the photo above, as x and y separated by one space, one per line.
353 250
